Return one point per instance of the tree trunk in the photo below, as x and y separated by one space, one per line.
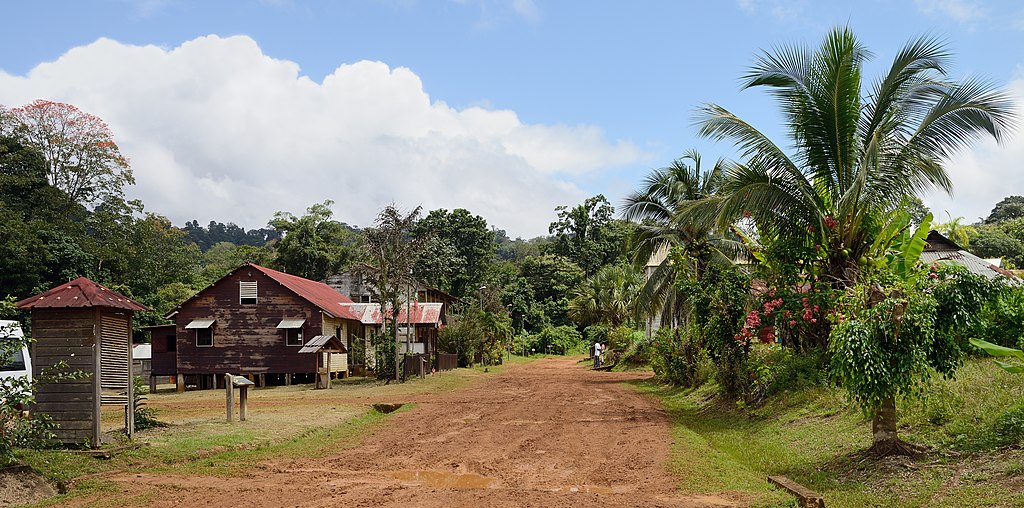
885 440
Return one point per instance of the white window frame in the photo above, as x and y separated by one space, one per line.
242 291
210 328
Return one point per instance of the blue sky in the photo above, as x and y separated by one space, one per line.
504 107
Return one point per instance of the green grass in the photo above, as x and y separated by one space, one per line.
816 438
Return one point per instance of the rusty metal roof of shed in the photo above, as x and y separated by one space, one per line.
81 292
328 342
421 313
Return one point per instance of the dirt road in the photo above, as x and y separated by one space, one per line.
547 434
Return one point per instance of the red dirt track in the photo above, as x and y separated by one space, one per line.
549 433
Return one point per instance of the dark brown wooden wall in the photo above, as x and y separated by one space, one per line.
66 335
165 361
245 337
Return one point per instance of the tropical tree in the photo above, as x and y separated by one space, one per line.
658 208
608 297
391 251
82 158
857 153
314 246
957 231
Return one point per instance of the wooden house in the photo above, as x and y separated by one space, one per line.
163 354
254 321
418 323
89 328
939 248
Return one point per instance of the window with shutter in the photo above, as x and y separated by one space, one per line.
247 292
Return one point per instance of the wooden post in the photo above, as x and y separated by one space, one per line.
243 396
229 392
130 427
288 379
329 369
97 429
262 380
152 383
179 383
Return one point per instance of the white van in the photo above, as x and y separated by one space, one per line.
21 364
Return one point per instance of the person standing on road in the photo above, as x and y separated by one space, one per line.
597 354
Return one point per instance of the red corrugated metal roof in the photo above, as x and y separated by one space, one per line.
80 292
317 293
422 313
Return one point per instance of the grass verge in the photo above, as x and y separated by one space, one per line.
814 437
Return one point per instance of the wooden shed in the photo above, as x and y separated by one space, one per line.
89 327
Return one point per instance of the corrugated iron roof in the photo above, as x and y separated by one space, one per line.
291 323
317 293
320 341
81 292
421 313
200 323
973 263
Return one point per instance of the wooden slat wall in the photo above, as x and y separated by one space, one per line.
245 337
68 335
115 340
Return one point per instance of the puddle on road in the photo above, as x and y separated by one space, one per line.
444 479
592 489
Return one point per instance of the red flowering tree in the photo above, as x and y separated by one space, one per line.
82 158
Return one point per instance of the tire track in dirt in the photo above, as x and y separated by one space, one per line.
550 433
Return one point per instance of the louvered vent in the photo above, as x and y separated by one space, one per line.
247 292
114 368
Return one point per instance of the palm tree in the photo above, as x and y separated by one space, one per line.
657 207
855 154
608 297
957 231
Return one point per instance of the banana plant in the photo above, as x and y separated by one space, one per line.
901 248
1016 367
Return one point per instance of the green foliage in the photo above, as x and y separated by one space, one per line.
1009 208
314 246
588 235
1016 366
880 348
1009 425
899 248
888 340
477 334
459 248
718 300
1003 319
609 296
992 241
852 162
384 352
777 369
145 416
558 340
596 333
679 359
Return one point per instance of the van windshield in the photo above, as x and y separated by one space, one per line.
16 363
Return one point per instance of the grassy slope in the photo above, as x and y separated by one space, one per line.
815 438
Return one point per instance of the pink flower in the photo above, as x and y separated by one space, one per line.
792 322
814 320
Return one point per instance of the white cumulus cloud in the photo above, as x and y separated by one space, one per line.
217 130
